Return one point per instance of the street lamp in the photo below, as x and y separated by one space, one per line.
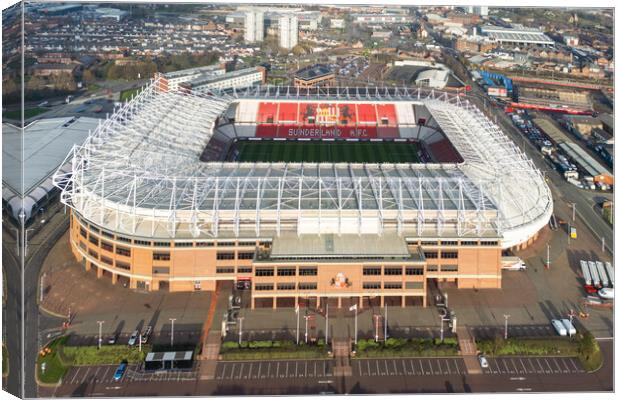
99 342
297 331
306 317
240 328
172 331
506 316
354 309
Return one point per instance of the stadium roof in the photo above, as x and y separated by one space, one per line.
137 175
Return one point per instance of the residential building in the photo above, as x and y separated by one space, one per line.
254 26
288 28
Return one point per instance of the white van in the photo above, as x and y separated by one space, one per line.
569 326
559 327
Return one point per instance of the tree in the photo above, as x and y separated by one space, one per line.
88 76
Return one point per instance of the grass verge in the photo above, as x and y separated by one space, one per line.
368 348
28 113
108 354
271 350
50 367
126 94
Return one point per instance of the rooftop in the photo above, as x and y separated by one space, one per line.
313 72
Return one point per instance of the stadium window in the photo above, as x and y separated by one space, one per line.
449 268
161 244
226 244
93 228
265 244
122 265
429 243
246 244
83 232
83 245
307 286
432 268
224 270
107 234
93 240
204 244
286 286
93 253
225 255
414 271
450 254
161 270
449 243
371 285
264 272
142 243
286 272
244 270
393 285
246 255
372 271
430 254
469 243
107 260
312 271
263 286
123 251
493 243
384 121
123 239
161 256
393 271
107 246
184 244
414 285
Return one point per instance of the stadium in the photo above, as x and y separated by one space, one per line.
319 195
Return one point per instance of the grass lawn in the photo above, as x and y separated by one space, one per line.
321 151
55 368
368 348
126 94
28 113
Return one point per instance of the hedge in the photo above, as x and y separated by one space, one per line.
107 354
393 347
271 350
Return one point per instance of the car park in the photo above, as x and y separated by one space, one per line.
133 338
559 327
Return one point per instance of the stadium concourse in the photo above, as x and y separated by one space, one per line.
158 198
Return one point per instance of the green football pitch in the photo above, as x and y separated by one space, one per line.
323 151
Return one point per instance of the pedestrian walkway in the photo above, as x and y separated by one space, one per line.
342 352
212 334
468 349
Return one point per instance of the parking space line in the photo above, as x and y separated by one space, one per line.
448 366
439 365
574 365
314 369
241 371
306 368
558 368
542 369
387 369
506 366
456 364
250 371
223 371
368 366
278 370
512 360
431 367
268 370
405 371
523 365
232 372
550 369
421 367
378 370
412 368
296 363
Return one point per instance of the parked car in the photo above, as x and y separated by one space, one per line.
559 327
133 338
146 334
569 327
606 293
483 361
112 339
120 371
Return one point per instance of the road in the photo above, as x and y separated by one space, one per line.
562 190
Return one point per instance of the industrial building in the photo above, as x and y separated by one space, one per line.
517 35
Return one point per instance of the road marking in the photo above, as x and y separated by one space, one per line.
565 366
448 365
277 369
506 366
378 370
439 365
523 365
431 366
296 369
395 368
534 370
223 371
514 365
306 368
259 367
421 367
368 366
456 364
232 372
558 368
250 371
412 369
268 370
241 371
314 369
359 368
404 367
547 362
575 365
